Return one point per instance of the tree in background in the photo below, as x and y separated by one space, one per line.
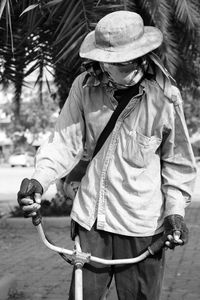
22 51
35 118
49 33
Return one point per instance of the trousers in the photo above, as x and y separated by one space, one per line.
140 281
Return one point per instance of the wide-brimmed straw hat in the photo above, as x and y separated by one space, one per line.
120 36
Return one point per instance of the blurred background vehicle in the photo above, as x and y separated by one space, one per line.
24 159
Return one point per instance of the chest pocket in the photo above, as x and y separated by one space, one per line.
139 149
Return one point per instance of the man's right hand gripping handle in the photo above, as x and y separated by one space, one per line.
29 199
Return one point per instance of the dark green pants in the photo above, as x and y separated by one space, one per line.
141 281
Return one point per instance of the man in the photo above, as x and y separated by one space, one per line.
137 185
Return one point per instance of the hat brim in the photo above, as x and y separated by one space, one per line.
151 39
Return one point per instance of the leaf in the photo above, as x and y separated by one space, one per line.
70 16
187 12
74 38
69 33
2 6
10 24
32 68
71 47
29 8
53 2
48 85
74 23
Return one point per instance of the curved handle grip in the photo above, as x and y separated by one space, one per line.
36 220
157 245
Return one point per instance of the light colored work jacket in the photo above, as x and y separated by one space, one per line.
144 171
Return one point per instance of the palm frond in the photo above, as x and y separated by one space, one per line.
68 17
29 8
169 52
2 7
51 32
187 12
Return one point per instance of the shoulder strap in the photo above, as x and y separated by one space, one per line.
111 123
166 82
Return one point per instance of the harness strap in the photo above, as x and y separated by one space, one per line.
124 100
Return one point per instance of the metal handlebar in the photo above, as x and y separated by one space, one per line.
152 249
79 258
87 257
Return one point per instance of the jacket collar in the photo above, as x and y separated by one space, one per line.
96 77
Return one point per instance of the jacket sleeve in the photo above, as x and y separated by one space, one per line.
177 160
64 148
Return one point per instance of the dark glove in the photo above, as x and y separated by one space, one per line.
175 230
29 197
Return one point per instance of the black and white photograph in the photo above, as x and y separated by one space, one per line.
99 150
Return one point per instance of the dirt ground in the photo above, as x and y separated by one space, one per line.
41 274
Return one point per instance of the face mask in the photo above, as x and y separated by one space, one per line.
123 75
